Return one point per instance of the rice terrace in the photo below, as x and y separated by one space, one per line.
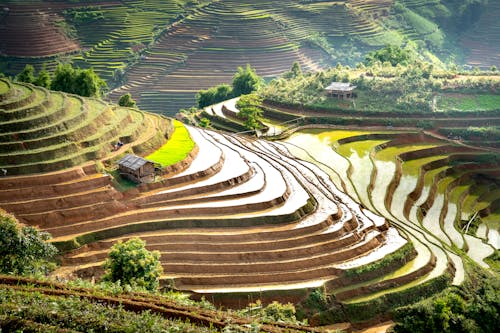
249 166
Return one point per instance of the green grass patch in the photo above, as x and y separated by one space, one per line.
462 102
176 149
120 183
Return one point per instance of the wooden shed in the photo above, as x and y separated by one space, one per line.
340 90
137 169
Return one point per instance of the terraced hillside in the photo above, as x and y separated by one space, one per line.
235 215
164 51
44 306
43 131
443 195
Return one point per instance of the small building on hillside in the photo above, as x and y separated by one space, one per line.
340 90
137 169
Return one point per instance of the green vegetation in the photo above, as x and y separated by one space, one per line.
23 249
471 307
30 310
273 312
393 54
250 110
132 264
176 149
27 74
387 88
127 101
464 102
83 82
245 81
399 257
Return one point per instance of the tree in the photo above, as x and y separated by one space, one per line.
294 72
391 53
83 82
63 78
43 79
87 83
23 249
250 110
127 101
27 74
214 95
131 263
245 81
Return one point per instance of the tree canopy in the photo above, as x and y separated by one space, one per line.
43 79
214 95
83 82
245 81
131 263
27 74
391 53
23 249
127 101
250 110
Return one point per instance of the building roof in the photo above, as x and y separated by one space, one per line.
340 86
133 162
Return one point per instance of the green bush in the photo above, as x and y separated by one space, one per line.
245 81
127 101
23 250
83 82
131 263
250 110
472 307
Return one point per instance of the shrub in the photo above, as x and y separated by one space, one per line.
43 79
23 250
27 74
250 110
127 101
392 54
472 307
131 263
83 82
245 81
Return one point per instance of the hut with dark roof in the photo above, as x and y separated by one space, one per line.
137 169
340 90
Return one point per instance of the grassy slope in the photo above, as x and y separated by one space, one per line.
176 149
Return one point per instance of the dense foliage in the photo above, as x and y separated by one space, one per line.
131 263
472 307
383 87
23 249
250 110
83 82
127 101
27 74
245 81
393 54
28 311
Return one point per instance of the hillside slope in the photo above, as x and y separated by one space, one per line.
163 51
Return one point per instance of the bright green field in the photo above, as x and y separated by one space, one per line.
469 102
176 149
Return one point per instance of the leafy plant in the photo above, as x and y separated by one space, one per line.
250 110
127 101
245 81
131 263
23 249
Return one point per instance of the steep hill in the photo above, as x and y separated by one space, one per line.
235 216
44 131
163 51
